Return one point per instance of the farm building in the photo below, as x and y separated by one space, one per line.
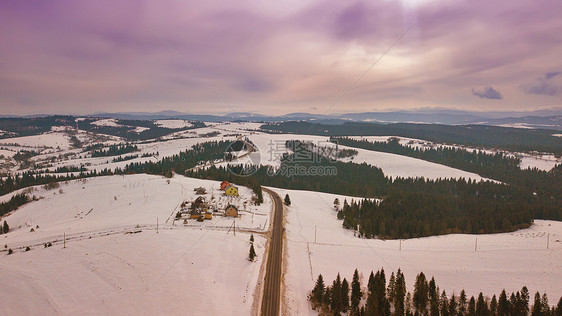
231 190
208 215
231 210
200 191
224 185
195 214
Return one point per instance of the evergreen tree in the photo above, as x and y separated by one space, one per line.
355 292
481 306
544 304
287 200
252 238
433 298
472 307
252 253
5 228
462 303
327 299
453 306
524 301
444 305
318 291
503 304
336 204
537 306
345 295
421 294
391 285
399 293
494 306
371 282
408 304
336 305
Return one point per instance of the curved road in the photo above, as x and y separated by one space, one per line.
272 285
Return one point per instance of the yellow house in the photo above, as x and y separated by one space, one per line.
208 215
231 190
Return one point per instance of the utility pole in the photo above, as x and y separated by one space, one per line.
476 244
314 234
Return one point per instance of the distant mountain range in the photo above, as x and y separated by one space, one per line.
547 119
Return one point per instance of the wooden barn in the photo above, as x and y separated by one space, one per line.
231 211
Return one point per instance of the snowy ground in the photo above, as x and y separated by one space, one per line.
116 263
509 260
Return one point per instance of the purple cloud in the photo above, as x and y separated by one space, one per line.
488 93
544 85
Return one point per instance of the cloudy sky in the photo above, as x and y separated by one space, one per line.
277 57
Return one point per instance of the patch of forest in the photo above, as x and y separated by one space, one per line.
507 138
427 299
496 166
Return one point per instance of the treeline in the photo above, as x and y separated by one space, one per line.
409 207
511 139
427 299
115 150
12 204
27 179
496 166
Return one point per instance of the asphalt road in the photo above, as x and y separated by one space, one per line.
273 273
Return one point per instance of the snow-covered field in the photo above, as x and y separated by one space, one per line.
116 263
173 123
509 260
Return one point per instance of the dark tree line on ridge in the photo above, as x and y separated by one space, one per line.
496 166
511 139
394 299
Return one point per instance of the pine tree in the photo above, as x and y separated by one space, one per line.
494 306
252 238
462 303
390 289
5 228
355 292
287 200
318 291
524 301
336 305
399 293
481 306
433 298
327 299
336 203
545 305
345 295
252 253
559 308
444 305
537 306
453 306
421 294
472 307
503 304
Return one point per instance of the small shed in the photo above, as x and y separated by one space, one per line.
208 215
231 190
224 185
231 211
195 214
